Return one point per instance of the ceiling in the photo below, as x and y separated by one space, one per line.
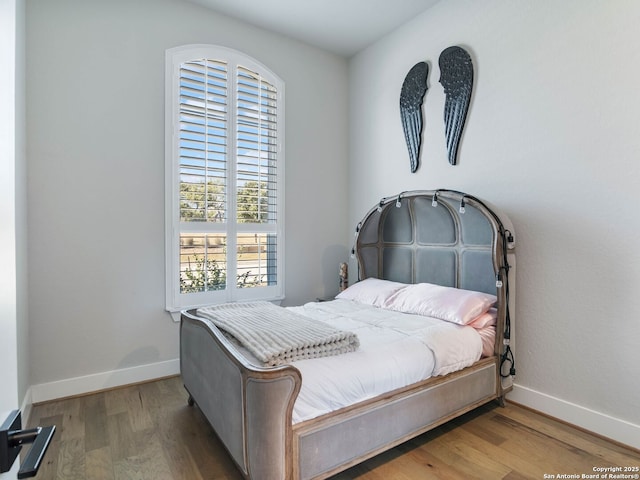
341 26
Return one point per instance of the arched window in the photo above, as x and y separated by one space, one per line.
224 178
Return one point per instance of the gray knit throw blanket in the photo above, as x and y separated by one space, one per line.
276 335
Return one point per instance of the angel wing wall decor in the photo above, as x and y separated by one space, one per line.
456 76
413 90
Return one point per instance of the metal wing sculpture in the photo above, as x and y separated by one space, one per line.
456 76
413 90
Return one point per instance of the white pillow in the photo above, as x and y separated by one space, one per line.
371 291
446 303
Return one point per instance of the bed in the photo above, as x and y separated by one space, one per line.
441 238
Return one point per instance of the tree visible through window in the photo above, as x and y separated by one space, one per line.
224 178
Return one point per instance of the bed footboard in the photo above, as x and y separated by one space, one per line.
329 444
249 407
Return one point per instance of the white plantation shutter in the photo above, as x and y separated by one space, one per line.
256 147
203 140
225 185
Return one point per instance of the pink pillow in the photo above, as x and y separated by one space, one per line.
446 303
371 291
488 337
485 319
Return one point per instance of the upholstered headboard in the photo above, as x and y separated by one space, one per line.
443 237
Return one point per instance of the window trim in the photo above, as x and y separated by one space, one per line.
176 301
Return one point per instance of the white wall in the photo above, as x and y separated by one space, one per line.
14 335
22 301
8 316
95 119
552 138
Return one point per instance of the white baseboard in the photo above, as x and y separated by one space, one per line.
101 381
616 429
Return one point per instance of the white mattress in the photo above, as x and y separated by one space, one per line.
396 350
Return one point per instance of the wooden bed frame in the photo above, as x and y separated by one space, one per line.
405 239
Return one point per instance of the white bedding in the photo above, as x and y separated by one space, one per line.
396 349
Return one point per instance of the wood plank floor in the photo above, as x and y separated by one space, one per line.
148 432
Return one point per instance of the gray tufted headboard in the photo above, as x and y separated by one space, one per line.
422 236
